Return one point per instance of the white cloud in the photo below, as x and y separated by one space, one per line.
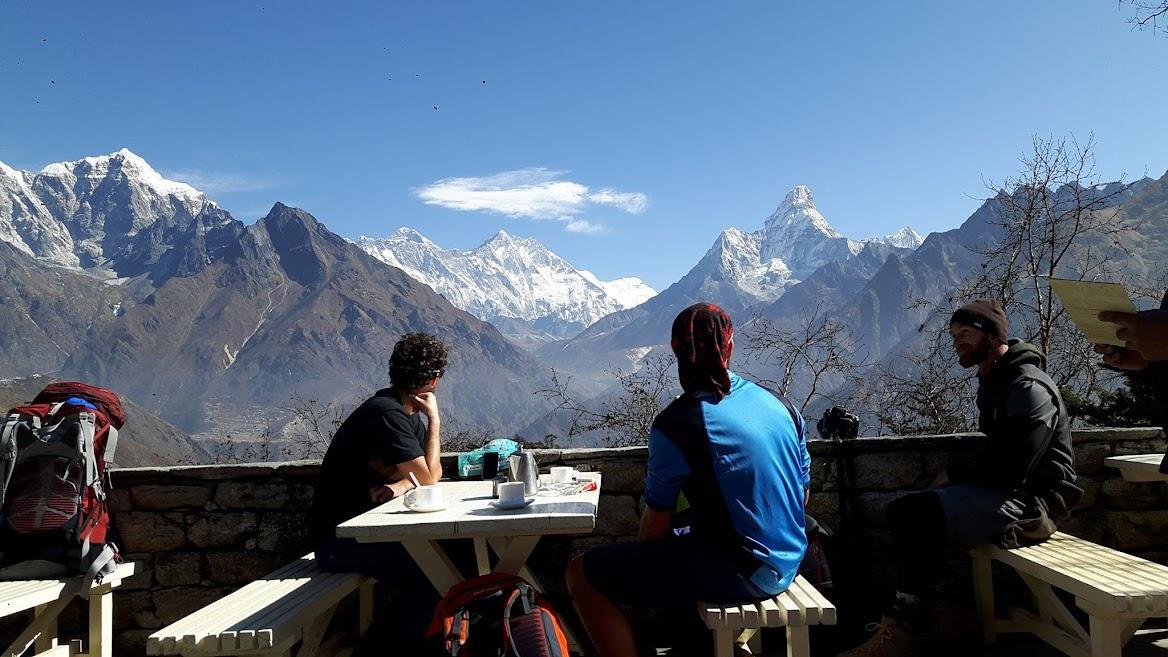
583 226
534 193
211 183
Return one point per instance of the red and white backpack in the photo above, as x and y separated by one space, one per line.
54 452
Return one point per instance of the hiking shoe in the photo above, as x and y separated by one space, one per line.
953 626
889 639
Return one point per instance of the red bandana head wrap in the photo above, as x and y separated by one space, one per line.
701 341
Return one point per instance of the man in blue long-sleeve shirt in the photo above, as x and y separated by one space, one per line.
738 453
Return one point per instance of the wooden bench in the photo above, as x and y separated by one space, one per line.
270 616
1116 590
48 598
798 607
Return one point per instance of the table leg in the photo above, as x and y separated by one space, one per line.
48 636
434 563
513 558
482 559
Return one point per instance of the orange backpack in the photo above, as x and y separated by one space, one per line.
496 615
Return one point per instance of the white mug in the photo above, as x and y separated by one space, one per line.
424 497
511 492
563 474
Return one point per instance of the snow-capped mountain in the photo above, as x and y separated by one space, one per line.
741 271
112 216
794 242
509 278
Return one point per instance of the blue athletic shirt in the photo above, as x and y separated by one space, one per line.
743 465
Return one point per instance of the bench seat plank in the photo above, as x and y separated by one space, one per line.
1109 579
1117 590
796 608
267 615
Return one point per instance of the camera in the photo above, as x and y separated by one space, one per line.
837 422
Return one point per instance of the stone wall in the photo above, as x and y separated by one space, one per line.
200 532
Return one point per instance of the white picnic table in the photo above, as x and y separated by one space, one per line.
511 534
1138 467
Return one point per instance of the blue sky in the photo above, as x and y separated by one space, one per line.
624 135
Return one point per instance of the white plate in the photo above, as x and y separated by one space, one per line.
427 509
499 504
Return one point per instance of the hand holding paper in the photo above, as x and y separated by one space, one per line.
1145 333
1085 300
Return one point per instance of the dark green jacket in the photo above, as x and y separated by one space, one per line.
1027 428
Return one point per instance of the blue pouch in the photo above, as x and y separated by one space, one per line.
470 464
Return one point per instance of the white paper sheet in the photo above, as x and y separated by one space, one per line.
1084 300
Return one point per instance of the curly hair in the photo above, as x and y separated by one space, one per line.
416 358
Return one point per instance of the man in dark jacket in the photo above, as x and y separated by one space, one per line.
1011 493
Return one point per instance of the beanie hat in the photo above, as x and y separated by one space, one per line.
985 315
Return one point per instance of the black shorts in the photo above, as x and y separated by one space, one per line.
673 573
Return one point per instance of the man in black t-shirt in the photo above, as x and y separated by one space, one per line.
369 462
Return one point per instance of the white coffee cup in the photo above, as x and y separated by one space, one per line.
563 474
424 497
511 492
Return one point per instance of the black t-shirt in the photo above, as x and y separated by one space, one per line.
378 433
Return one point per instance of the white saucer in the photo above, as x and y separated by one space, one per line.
426 509
499 504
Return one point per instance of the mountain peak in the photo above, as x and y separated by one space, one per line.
131 165
800 196
798 211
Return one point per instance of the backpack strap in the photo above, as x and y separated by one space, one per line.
111 445
795 417
8 450
103 564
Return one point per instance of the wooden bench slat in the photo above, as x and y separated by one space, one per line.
771 612
826 613
750 616
267 614
219 615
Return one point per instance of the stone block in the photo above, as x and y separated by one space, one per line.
232 568
872 508
173 603
1151 446
300 496
148 531
120 501
620 476
284 533
825 508
889 471
1136 530
935 462
131 642
143 577
823 474
581 545
1086 524
135 610
233 495
1092 489
162 498
178 568
617 516
222 530
1121 495
1089 457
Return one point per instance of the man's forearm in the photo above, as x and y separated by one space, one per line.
434 449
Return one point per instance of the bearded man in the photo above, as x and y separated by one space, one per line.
1018 485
